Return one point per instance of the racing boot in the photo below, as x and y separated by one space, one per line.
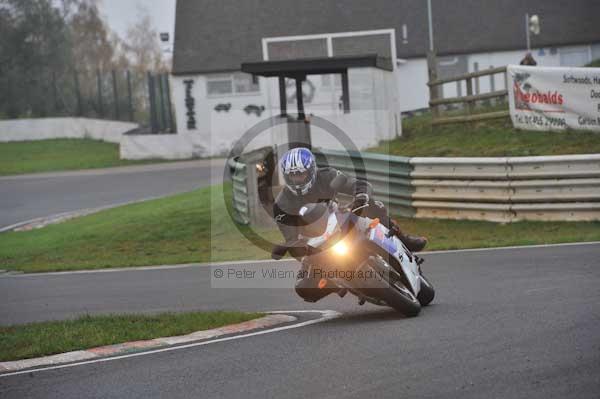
413 243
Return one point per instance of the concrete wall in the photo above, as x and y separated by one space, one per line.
52 128
154 146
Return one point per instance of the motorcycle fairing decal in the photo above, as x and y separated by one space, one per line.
411 272
378 236
394 247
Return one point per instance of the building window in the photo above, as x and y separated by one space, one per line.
219 86
245 83
231 84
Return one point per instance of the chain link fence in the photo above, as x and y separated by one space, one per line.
123 95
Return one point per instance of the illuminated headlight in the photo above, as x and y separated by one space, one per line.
340 248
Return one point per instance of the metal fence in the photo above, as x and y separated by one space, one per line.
505 189
123 95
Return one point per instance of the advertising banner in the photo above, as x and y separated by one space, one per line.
554 98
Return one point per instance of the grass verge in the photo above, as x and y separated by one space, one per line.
20 157
195 227
188 227
47 338
484 139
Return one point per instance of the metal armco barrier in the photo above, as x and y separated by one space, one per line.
239 191
252 176
565 187
389 176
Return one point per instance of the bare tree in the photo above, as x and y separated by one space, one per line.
143 46
92 47
120 59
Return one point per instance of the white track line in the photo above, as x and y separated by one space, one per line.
325 315
150 268
19 224
90 211
259 261
118 170
565 244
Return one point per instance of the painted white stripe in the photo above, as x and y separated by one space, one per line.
263 322
566 244
83 211
117 170
268 261
19 224
73 356
150 268
325 315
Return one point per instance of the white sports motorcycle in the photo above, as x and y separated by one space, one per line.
349 253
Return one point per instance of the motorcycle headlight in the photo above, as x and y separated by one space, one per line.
340 248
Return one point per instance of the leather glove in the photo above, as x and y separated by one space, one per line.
360 202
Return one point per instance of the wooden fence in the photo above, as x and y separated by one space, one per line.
437 99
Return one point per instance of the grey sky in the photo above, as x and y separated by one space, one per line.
120 14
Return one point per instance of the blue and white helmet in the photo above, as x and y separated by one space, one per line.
299 170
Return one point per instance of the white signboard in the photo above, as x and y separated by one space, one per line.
544 98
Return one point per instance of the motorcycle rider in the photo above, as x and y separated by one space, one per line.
305 184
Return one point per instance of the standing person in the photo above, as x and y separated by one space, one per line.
528 60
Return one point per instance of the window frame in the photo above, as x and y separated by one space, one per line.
230 77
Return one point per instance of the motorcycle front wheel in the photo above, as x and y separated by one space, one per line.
427 293
395 294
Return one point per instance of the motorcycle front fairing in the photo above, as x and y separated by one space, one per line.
339 228
343 224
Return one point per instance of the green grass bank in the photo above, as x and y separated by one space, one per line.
19 157
484 139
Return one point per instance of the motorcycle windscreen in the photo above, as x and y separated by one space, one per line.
330 229
317 227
